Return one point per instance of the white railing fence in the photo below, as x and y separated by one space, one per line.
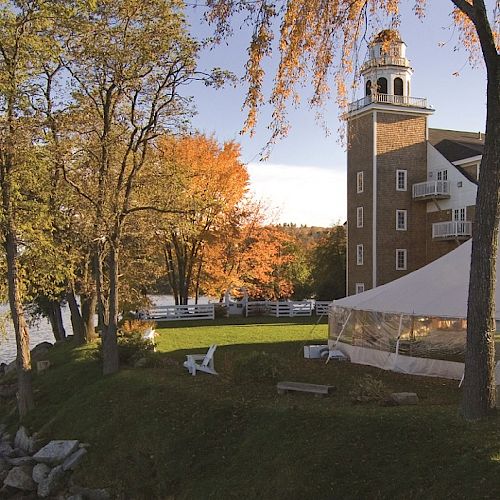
179 313
321 307
451 229
279 309
431 188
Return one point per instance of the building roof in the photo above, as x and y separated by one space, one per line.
455 145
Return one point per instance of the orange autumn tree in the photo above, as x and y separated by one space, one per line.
318 43
247 254
212 181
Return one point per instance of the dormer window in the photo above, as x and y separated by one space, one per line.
398 86
382 85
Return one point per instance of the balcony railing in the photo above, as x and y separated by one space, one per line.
398 100
386 61
452 230
431 189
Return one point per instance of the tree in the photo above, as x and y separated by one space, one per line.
214 182
24 162
329 265
126 62
321 37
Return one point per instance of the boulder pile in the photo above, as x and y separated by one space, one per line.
29 471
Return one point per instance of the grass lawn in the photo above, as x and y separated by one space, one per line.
160 433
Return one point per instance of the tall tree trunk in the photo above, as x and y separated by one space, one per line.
111 362
76 318
89 303
56 320
25 401
479 396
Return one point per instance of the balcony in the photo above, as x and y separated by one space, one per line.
452 230
397 100
431 190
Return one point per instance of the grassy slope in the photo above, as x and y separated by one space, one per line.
159 432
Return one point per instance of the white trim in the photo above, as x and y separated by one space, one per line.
374 210
360 177
360 254
405 225
387 108
468 160
405 173
360 288
359 217
405 253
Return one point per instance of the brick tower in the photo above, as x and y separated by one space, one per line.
387 154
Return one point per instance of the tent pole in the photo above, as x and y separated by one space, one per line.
397 341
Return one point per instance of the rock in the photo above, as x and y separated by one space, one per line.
20 461
40 472
75 497
56 451
6 449
90 494
3 428
4 465
404 398
24 441
7 491
85 445
6 438
42 365
51 483
72 462
40 351
10 367
20 478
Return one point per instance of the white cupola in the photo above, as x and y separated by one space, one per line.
387 71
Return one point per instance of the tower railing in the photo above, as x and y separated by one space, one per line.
385 61
398 100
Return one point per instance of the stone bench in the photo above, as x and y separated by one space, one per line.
316 389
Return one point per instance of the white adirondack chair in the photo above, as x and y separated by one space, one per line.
193 364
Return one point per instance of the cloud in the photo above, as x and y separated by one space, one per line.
311 195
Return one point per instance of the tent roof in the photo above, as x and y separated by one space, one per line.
438 289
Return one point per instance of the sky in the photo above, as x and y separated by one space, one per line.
304 178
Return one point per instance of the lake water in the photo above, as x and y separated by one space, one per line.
42 331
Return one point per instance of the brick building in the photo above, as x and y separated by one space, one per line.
411 189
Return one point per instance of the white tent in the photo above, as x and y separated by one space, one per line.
415 324
439 289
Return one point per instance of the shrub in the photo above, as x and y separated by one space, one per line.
220 311
131 347
257 367
368 389
131 327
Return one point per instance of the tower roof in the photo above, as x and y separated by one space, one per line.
388 35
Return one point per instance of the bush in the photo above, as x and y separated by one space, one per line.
131 347
369 389
258 367
220 311
131 327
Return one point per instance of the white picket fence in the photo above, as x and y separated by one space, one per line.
177 313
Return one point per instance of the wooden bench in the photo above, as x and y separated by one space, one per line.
316 389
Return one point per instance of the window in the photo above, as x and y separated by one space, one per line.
398 86
401 261
359 182
382 85
459 214
359 255
360 288
442 175
359 217
401 220
401 180
368 87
